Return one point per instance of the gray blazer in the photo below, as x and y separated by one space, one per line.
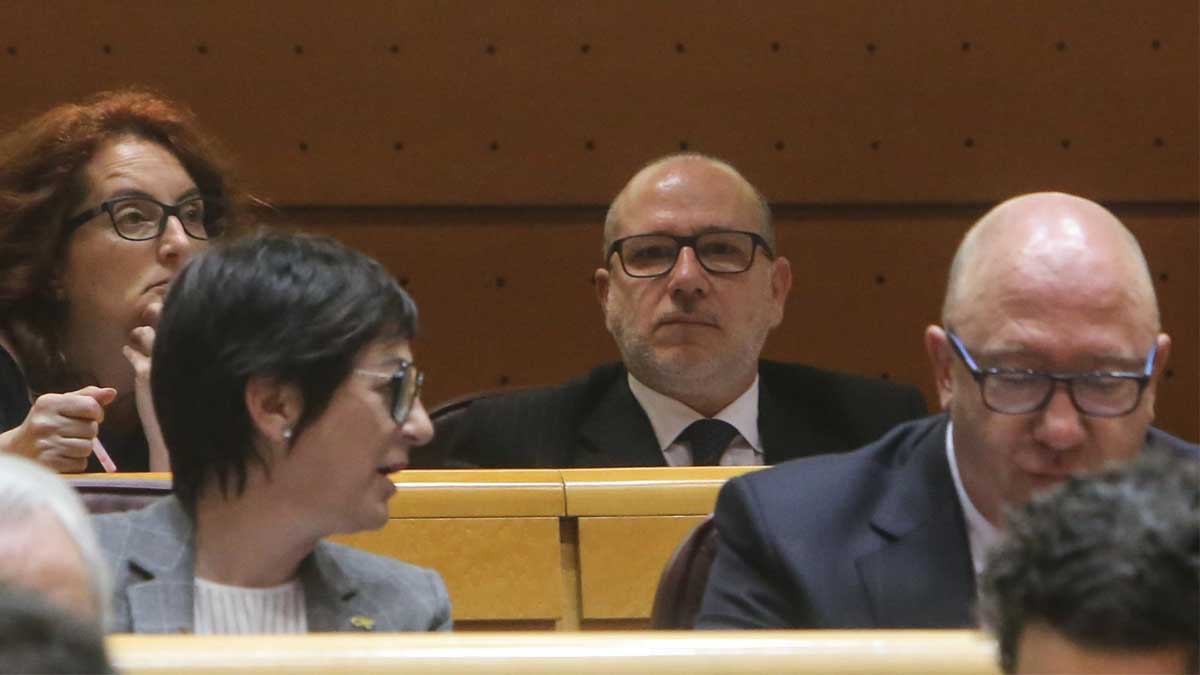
152 554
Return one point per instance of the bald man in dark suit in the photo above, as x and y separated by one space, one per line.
1047 363
690 287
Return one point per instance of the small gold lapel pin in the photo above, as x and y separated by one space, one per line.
362 622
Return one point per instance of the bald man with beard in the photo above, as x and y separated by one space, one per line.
691 283
1046 363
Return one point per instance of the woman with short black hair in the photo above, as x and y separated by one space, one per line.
287 393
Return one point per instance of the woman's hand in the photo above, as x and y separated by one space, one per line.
61 430
138 351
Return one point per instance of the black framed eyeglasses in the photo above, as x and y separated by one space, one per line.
718 251
1018 391
143 218
406 388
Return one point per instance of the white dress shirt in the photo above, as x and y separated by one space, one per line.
669 418
981 533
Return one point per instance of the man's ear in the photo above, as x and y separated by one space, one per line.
274 407
1160 363
937 346
600 279
781 286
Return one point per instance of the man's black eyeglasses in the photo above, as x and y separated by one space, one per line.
406 388
718 251
143 218
1018 391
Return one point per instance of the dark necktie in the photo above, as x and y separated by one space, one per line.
709 438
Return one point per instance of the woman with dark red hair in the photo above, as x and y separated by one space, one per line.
101 204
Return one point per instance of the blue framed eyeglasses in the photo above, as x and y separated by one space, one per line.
1019 391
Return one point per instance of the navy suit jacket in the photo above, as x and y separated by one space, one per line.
869 539
595 421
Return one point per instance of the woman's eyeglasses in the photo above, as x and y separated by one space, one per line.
406 388
142 218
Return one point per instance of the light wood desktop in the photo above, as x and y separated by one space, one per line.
650 653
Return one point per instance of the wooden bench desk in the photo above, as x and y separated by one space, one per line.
493 535
592 653
629 522
541 549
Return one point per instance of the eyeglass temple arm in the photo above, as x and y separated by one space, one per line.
962 351
1150 359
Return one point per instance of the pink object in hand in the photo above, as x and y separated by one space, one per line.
102 455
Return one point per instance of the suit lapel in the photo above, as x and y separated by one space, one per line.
922 576
616 432
164 555
332 601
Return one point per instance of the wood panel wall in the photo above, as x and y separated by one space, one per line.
472 144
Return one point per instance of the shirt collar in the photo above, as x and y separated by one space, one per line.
669 417
981 533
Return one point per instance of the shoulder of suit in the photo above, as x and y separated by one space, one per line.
891 451
152 516
576 392
1157 438
158 526
785 374
113 529
114 519
826 497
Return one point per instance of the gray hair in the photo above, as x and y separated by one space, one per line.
27 489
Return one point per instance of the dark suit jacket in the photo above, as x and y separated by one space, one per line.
870 539
596 421
152 556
